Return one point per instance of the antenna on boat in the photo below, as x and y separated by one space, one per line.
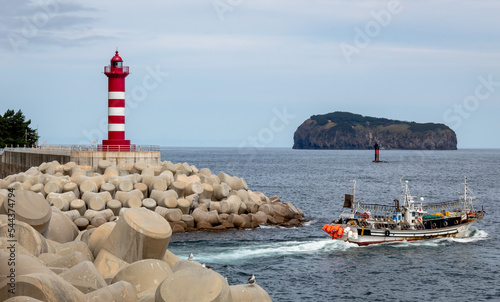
465 190
354 191
405 189
468 204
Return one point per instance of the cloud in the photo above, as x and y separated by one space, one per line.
27 25
263 55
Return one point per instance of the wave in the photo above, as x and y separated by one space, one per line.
305 224
473 235
310 222
272 250
251 251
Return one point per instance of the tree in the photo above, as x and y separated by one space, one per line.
15 130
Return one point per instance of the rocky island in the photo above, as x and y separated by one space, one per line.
345 130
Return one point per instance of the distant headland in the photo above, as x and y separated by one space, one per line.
345 130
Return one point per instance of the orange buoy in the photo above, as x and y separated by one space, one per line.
329 229
336 231
340 232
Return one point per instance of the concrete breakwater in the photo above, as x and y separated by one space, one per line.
77 233
43 257
189 198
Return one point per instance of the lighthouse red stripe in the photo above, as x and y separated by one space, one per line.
115 135
115 119
116 103
116 84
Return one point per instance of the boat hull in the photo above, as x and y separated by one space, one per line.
362 236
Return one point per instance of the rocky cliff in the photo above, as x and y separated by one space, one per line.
344 130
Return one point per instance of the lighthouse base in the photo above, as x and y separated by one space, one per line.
116 145
120 159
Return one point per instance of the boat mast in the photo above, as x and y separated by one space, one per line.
354 194
406 193
408 203
465 194
354 191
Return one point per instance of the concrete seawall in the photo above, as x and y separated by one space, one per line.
19 160
15 160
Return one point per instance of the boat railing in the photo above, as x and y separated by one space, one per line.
376 208
438 206
445 205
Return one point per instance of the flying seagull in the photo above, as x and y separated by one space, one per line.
191 256
251 280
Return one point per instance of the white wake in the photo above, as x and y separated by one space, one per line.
473 235
231 255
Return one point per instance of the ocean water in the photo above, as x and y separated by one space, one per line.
304 264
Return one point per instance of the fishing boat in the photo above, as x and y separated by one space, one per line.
364 223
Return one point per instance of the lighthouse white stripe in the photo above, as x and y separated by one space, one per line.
116 111
116 127
116 95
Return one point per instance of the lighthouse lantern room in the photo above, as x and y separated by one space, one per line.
116 74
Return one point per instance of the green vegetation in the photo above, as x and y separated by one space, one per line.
341 128
347 120
427 127
15 130
352 119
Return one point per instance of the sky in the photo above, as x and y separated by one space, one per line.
241 73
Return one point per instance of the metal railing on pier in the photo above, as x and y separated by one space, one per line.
46 149
115 148
66 149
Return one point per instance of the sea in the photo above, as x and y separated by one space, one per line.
305 264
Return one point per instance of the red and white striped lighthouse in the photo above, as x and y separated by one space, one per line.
116 74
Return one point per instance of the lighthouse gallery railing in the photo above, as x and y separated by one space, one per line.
124 69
